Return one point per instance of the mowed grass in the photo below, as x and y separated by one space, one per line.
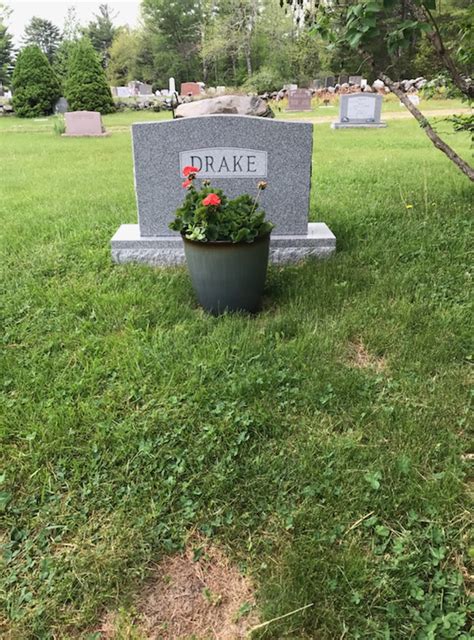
320 443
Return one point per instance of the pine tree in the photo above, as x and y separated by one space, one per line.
6 53
44 34
35 86
86 85
102 32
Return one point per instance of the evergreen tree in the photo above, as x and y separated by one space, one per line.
61 62
6 45
101 33
35 86
6 52
86 84
44 34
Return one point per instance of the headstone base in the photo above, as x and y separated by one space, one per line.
86 135
128 246
362 125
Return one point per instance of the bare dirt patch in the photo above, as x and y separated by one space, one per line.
360 358
204 599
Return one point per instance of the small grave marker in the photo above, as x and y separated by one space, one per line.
359 110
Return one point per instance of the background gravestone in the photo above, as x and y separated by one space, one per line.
330 81
235 153
359 110
145 89
84 123
192 88
355 80
123 92
61 106
414 99
299 100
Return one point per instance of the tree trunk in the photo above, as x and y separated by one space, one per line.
248 58
427 128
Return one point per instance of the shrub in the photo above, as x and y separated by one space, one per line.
264 80
87 88
35 86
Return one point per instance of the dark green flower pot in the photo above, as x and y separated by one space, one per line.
227 276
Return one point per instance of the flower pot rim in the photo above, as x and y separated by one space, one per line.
227 243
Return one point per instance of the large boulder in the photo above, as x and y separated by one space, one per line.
233 105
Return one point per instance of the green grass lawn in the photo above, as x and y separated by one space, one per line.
319 444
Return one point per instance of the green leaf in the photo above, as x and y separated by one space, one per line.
355 40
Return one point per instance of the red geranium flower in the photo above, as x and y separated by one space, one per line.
187 170
187 183
211 200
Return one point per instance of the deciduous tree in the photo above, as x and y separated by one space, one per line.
380 31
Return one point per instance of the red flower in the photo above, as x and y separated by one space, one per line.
188 170
211 200
187 183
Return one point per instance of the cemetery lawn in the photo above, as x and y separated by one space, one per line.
321 444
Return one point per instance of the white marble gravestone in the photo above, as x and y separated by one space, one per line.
359 110
235 153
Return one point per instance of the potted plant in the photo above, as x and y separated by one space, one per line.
226 244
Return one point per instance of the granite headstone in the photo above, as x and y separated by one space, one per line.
359 110
299 100
84 123
235 153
